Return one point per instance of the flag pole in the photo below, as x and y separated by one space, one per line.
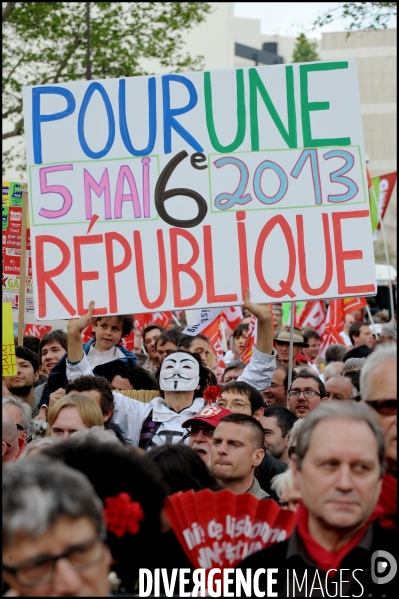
371 320
291 346
176 320
22 274
384 240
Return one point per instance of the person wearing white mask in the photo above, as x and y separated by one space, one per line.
182 380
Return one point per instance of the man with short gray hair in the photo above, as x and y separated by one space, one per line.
352 364
338 467
53 546
378 386
9 438
388 333
20 412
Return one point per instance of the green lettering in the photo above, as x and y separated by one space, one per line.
307 107
241 115
255 85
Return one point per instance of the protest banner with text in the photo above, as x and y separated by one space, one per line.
179 191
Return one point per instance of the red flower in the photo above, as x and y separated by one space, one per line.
212 393
123 515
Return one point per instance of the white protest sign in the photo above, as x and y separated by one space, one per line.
178 191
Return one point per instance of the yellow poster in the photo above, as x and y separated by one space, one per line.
9 360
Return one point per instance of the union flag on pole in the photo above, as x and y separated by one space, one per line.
141 321
313 315
232 316
250 340
214 334
332 326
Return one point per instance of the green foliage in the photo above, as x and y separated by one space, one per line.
304 50
363 16
45 43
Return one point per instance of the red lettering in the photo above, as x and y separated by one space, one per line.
211 296
343 255
89 275
140 271
177 268
302 257
112 268
46 277
242 251
285 286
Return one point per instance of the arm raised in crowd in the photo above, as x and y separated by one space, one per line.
263 313
260 370
75 328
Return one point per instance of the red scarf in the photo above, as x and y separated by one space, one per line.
387 501
327 560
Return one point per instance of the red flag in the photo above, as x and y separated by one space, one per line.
141 321
386 184
232 316
214 334
37 330
86 335
350 304
313 315
250 340
334 323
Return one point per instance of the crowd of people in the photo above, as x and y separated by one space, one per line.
96 437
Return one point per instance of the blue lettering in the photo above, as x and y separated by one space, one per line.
169 114
152 118
38 118
95 86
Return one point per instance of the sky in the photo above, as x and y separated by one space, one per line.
291 18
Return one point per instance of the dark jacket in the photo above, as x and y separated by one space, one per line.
58 378
269 468
285 557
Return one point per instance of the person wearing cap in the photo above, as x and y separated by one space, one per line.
201 428
282 342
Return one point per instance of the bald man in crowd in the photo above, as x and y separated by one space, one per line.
340 388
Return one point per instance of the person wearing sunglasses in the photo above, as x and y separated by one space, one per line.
9 439
378 386
53 546
306 393
20 412
378 380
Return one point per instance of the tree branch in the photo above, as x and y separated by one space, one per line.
7 10
18 130
64 62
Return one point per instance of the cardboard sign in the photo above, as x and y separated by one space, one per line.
178 191
9 363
